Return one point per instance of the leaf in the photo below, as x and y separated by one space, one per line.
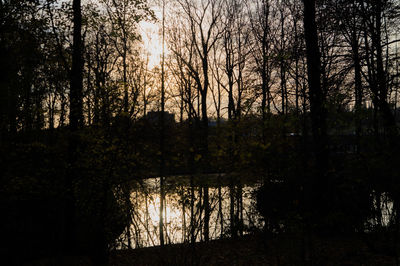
197 157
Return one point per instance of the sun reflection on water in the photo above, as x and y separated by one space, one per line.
169 213
144 230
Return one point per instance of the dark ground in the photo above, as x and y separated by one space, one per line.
255 250
252 250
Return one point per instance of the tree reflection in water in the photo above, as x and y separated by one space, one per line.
145 198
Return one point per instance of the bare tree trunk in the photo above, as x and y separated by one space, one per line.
318 121
358 86
125 80
62 111
205 141
75 120
220 212
145 87
76 113
162 135
317 98
239 210
389 122
201 220
191 161
183 217
296 52
265 101
232 209
282 66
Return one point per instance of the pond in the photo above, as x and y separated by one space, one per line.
232 209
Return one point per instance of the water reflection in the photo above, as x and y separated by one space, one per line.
184 215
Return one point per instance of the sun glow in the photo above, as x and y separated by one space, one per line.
169 213
152 40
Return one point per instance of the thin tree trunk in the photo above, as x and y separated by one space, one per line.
205 144
232 209
358 87
282 67
221 214
162 135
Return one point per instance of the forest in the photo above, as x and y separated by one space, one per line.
199 132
